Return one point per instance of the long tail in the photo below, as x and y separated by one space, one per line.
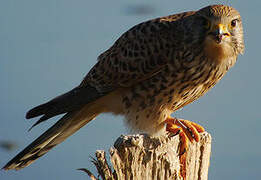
65 127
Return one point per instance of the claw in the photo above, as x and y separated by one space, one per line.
188 131
182 160
174 129
193 133
199 128
183 143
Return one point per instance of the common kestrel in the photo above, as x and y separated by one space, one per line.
152 70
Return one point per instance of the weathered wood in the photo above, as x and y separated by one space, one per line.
141 157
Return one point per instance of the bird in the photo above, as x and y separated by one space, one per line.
151 71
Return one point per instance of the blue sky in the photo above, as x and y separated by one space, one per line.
47 47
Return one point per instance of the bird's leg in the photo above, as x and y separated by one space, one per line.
188 131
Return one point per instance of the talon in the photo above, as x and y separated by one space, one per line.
199 128
194 134
182 160
173 129
183 143
188 131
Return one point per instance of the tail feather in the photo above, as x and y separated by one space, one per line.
65 127
66 103
37 111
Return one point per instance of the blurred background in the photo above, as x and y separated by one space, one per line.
47 47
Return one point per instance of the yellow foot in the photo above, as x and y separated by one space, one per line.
188 131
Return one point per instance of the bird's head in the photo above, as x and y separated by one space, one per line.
224 31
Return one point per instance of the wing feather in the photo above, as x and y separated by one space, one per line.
137 55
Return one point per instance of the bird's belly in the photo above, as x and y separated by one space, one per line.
147 113
186 96
147 105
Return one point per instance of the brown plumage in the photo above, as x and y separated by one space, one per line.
152 70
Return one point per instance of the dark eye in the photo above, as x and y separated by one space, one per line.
234 23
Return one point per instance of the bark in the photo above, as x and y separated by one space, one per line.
141 157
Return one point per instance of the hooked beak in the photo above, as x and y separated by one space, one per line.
219 32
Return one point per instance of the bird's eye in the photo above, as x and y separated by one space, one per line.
234 23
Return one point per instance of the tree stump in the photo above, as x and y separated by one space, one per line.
141 157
